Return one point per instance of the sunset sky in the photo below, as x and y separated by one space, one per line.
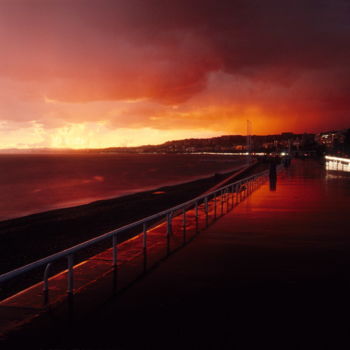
99 73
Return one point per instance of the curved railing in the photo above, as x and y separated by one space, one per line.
241 188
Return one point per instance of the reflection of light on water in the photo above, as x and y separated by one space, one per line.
333 175
99 178
337 164
93 179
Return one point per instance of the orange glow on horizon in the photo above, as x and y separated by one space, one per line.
102 134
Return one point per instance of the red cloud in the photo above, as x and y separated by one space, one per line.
286 58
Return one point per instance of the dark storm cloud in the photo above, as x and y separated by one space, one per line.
86 50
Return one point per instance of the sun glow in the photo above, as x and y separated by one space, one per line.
90 135
80 136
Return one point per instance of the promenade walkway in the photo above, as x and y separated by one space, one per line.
273 273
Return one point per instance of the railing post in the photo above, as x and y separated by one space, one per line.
222 202
169 223
206 212
184 225
227 198
236 195
196 216
46 283
168 232
114 251
115 262
70 274
232 196
144 247
215 205
224 199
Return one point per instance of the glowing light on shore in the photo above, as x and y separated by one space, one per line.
346 160
337 163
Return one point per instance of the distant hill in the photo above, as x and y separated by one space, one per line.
225 143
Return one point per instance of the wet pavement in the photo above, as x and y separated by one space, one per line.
272 273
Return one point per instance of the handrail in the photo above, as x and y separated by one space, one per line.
69 252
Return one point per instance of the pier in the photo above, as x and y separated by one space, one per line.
272 272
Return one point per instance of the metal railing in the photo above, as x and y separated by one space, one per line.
229 195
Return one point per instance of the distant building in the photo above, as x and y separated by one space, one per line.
287 135
330 139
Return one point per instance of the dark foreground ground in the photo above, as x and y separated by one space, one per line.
274 273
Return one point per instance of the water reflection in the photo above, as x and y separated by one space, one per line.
273 184
305 198
273 176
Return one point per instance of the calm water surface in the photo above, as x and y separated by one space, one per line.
35 183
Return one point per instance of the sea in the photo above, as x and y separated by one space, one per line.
33 183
